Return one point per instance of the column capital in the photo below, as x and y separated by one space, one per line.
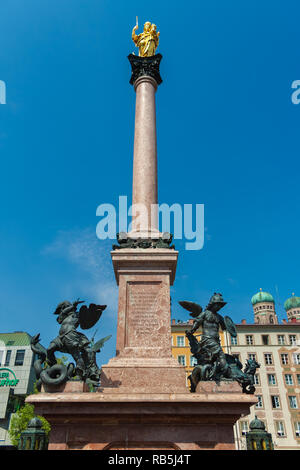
145 66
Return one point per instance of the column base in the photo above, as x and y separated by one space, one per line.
142 375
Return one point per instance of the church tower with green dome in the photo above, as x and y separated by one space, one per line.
292 308
264 308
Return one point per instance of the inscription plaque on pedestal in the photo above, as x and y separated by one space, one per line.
143 321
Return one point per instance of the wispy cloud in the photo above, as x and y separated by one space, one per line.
233 282
81 247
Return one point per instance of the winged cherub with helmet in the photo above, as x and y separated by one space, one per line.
210 321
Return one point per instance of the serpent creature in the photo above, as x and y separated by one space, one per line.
54 375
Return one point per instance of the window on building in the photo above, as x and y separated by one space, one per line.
252 356
259 403
265 340
268 359
275 401
293 401
256 379
7 357
234 340
296 358
288 379
280 430
181 360
20 357
193 361
249 339
180 340
281 339
1 357
271 379
284 358
298 379
244 427
297 428
293 340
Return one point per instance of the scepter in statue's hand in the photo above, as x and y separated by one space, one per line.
134 35
136 26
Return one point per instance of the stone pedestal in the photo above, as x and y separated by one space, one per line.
143 361
158 421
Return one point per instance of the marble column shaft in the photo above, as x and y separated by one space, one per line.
145 158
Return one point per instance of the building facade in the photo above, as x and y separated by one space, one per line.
17 378
276 347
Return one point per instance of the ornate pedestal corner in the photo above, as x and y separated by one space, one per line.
145 66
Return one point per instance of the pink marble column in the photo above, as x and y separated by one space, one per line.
144 194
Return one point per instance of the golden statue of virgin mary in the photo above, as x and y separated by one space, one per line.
147 41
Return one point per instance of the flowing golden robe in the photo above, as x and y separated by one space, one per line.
147 41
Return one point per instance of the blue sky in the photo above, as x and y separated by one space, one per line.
228 138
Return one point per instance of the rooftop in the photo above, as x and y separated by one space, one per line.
17 338
181 322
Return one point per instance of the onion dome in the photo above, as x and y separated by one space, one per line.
257 425
262 297
35 423
292 302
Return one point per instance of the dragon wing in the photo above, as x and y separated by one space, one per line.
88 316
192 307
